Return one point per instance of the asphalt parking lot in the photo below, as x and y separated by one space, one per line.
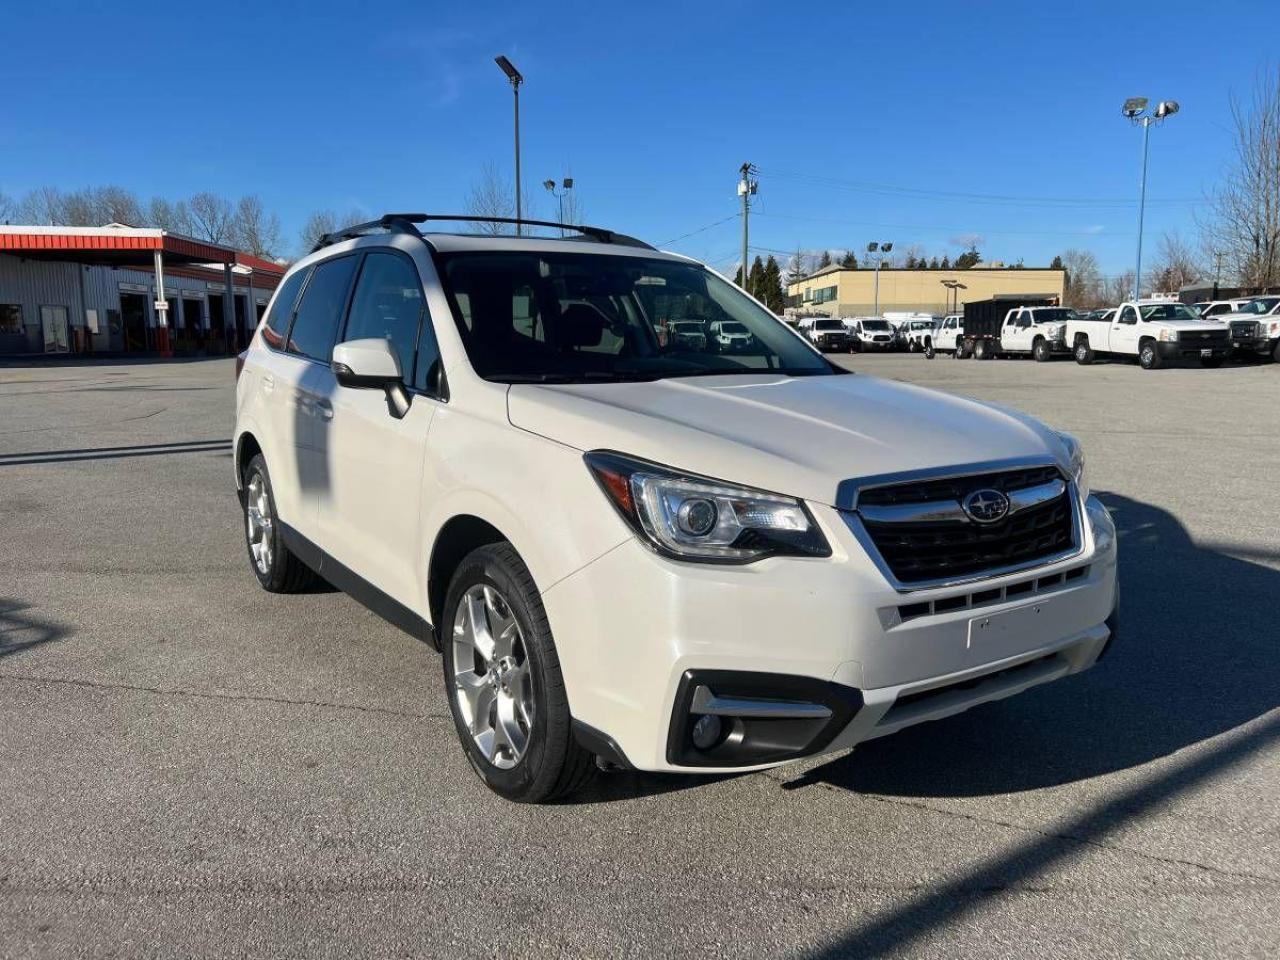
190 766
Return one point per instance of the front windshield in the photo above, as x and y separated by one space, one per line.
1052 315
1261 305
1168 311
529 316
828 325
688 326
875 325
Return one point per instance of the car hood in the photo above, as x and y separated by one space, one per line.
1194 326
799 436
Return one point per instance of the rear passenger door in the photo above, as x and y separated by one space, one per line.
370 509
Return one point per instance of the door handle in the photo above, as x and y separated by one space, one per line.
324 409
268 382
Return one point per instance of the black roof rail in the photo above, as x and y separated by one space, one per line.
404 223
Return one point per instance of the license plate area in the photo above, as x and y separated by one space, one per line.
1009 632
1206 352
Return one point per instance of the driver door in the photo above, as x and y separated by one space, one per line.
1125 331
371 507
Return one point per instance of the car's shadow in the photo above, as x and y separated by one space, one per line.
1195 658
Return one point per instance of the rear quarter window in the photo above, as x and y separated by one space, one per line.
275 326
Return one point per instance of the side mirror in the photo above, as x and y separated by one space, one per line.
366 364
371 364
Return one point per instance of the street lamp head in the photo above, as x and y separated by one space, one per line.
1166 108
568 183
550 185
886 247
510 70
872 247
1133 107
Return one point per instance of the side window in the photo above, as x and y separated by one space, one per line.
275 326
1128 315
316 326
388 305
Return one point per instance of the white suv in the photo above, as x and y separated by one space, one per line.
650 554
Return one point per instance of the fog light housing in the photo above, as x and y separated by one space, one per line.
706 732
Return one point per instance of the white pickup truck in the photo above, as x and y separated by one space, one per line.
1255 327
1155 331
1039 331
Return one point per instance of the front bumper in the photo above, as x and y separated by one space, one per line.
1175 350
1259 345
637 634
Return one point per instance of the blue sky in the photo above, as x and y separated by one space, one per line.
906 122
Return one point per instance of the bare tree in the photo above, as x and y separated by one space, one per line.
1119 289
574 210
42 206
80 209
212 218
114 204
174 217
8 208
492 195
254 230
1244 224
1083 286
1177 265
797 266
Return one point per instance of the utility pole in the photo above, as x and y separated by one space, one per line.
1217 271
746 189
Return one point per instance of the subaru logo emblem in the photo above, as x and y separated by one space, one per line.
986 506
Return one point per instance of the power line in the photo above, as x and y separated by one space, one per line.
925 229
694 233
890 190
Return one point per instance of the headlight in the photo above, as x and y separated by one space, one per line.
693 518
1075 459
1274 328
1100 522
1168 336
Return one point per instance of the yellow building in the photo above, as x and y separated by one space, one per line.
840 292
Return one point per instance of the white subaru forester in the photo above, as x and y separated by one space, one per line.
636 551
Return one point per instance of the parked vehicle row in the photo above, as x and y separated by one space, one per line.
1156 332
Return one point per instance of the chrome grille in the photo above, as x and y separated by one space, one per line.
923 535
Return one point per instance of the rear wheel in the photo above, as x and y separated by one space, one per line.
929 352
1275 354
502 674
1084 355
1148 355
981 351
1040 350
275 566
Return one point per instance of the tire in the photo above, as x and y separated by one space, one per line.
1083 354
981 351
1211 363
1275 354
519 679
929 352
1041 351
278 570
1148 355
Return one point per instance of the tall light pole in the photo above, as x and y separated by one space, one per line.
746 189
565 186
1135 109
883 248
516 79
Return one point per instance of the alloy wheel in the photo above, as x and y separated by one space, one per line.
491 676
258 520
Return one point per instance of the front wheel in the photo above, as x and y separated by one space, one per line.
502 675
929 352
1148 356
1084 356
1040 350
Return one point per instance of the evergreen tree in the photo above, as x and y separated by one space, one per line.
946 262
1056 264
911 261
775 298
849 261
737 277
921 264
824 260
969 258
933 264
755 279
